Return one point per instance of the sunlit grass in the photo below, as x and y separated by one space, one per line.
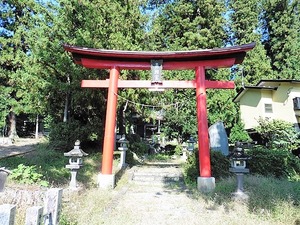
273 201
158 157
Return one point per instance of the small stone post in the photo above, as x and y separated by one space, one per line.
7 214
34 215
53 206
3 175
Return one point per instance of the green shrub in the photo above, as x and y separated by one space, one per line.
276 162
278 133
178 150
219 166
130 158
158 157
27 175
191 168
238 133
46 161
135 146
139 148
63 135
133 138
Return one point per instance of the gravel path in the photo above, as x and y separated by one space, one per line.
152 204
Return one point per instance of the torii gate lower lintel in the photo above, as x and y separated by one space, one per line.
198 60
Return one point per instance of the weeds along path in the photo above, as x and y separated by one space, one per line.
157 196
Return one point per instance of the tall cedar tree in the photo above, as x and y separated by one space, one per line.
189 25
245 27
282 36
15 97
95 24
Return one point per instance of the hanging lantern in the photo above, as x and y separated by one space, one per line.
156 71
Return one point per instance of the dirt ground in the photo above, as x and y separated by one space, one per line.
152 204
20 146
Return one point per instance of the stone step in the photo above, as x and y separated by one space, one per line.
156 175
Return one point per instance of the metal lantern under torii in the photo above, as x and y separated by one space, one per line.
75 162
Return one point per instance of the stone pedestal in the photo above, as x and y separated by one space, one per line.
239 194
122 158
73 182
106 181
74 169
206 184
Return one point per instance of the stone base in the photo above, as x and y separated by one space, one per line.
106 181
206 184
240 196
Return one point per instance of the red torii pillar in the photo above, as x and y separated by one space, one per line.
198 60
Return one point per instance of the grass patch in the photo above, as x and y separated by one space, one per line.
271 199
158 157
46 161
51 164
276 201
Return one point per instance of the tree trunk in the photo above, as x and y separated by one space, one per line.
37 127
12 126
67 102
66 109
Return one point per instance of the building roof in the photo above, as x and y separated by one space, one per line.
263 85
276 82
210 58
244 89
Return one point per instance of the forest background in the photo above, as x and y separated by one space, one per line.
38 78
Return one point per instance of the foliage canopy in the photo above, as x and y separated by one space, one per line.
39 79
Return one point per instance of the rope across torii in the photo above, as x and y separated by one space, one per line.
197 60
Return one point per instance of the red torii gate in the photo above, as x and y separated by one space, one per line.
198 60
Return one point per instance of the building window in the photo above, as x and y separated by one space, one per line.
296 102
268 108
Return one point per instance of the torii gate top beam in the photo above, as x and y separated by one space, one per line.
172 60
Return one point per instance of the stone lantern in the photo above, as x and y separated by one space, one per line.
123 148
184 151
238 160
191 144
75 162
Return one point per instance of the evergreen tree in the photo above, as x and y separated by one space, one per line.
245 27
40 78
94 24
14 22
282 36
190 25
186 25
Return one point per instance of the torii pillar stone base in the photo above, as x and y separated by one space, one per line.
206 184
106 181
